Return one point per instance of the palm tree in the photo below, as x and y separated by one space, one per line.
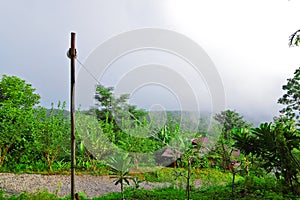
119 165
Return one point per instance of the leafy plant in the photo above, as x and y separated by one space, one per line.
136 182
93 143
229 120
189 154
51 135
17 116
119 165
275 143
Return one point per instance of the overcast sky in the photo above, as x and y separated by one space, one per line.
246 40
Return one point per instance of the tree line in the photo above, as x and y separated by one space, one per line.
34 138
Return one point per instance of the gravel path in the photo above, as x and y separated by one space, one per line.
92 186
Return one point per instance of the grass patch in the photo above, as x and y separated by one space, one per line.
207 176
251 188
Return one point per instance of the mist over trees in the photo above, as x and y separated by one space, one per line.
37 139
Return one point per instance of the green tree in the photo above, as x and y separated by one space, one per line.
115 107
291 99
130 125
17 104
52 134
228 120
15 92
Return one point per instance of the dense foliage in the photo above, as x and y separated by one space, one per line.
17 113
36 139
291 99
32 137
275 146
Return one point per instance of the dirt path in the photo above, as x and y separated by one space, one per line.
92 186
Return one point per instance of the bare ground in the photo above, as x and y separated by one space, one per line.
92 186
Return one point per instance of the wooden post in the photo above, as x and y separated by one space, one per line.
72 56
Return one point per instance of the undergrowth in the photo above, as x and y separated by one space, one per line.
250 188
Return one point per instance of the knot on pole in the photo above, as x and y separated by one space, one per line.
72 54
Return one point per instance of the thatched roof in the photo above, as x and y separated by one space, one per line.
171 153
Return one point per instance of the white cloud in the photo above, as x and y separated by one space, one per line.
247 40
